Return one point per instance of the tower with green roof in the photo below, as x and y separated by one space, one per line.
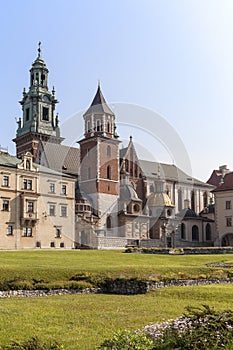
39 122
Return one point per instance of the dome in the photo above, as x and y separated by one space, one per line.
159 200
188 213
128 193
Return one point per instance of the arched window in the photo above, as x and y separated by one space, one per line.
183 231
205 199
109 222
208 232
127 165
108 127
193 200
195 233
88 126
180 200
108 172
97 125
108 151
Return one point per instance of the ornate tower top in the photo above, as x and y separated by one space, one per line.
99 118
38 105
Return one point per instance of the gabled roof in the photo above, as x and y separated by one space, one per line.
153 170
99 105
227 183
9 160
215 178
60 158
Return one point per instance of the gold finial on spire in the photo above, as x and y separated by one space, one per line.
39 49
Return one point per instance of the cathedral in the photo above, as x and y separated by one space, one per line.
117 198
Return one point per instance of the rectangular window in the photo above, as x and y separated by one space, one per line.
58 233
63 210
63 189
5 181
27 184
10 230
5 205
27 231
52 187
228 204
45 114
30 207
229 221
52 244
52 210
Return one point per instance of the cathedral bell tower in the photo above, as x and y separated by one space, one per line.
38 122
99 157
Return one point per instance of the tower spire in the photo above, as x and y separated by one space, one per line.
39 48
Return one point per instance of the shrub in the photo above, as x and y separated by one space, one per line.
80 285
33 344
124 340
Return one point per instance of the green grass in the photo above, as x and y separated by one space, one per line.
84 321
53 266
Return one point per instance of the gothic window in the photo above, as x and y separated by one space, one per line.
183 231
208 232
88 126
108 127
127 165
97 125
180 200
193 200
109 222
195 233
108 172
205 199
45 113
27 114
109 151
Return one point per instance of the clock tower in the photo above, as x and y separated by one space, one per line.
99 159
38 122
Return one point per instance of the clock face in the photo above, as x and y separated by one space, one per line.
45 98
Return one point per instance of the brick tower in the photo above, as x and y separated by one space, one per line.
38 104
99 157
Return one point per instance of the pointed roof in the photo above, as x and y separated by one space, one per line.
99 104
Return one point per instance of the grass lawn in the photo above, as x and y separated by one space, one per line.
84 321
61 265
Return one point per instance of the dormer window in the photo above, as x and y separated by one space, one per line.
45 113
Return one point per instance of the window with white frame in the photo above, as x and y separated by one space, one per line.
5 182
63 189
27 231
52 209
30 206
52 187
63 210
27 184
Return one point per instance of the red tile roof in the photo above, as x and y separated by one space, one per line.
227 183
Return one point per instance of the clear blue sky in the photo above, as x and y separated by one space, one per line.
174 57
